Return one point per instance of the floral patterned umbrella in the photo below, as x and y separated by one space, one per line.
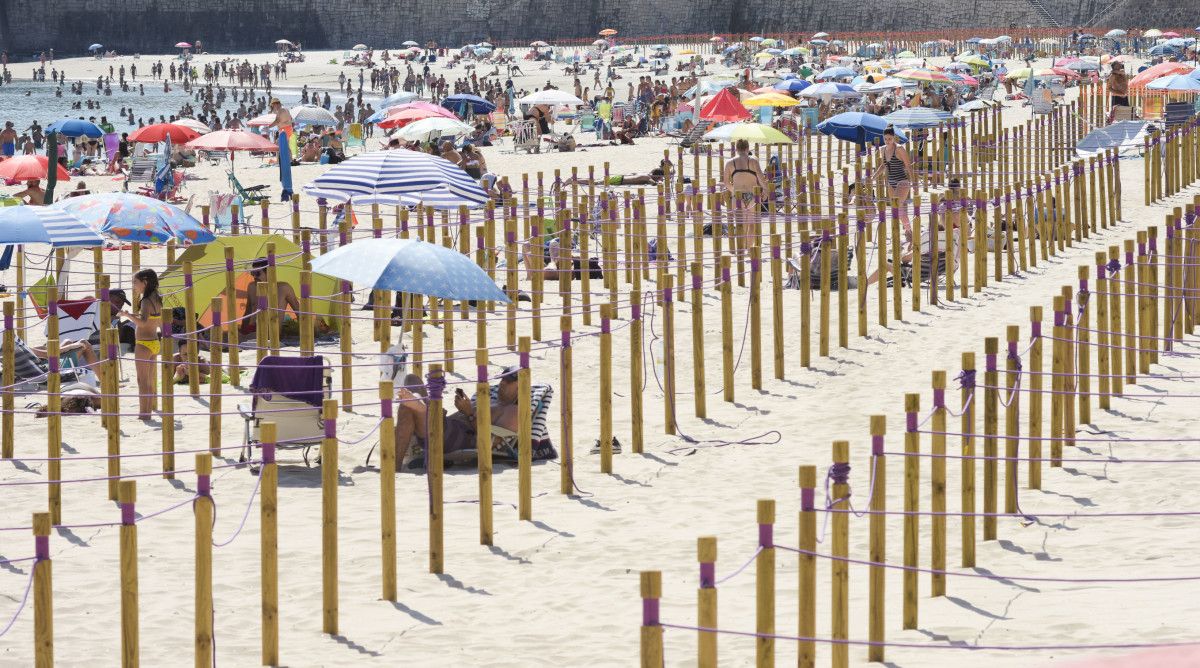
136 218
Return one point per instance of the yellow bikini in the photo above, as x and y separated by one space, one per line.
153 345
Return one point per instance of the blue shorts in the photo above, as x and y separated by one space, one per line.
9 149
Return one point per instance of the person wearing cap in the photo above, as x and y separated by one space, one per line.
283 123
126 331
459 429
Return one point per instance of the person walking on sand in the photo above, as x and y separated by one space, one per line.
743 178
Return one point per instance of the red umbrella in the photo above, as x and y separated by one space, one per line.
27 167
724 106
152 134
232 140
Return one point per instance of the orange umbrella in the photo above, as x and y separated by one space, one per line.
152 134
1159 70
608 32
28 167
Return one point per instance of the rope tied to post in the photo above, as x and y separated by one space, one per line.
966 379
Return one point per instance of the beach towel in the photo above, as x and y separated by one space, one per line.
285 167
112 143
220 210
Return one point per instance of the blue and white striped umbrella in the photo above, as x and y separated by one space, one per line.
45 224
918 117
399 173
438 198
412 266
310 114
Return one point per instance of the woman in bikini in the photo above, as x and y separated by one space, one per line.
146 331
897 167
743 177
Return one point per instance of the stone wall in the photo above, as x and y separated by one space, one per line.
153 26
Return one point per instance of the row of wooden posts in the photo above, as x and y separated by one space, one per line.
1141 303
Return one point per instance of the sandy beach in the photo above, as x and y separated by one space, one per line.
562 589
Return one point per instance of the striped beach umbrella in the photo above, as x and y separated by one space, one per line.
399 173
309 114
45 224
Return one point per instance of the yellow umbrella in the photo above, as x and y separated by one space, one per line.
763 55
687 52
1022 73
755 133
975 61
770 100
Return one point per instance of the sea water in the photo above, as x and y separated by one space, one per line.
23 102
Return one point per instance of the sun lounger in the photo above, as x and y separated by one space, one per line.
288 391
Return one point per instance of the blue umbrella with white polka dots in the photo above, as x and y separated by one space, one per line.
412 266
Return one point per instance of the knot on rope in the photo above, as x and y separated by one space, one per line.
839 473
1015 359
966 379
435 385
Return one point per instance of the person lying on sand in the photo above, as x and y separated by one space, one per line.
459 428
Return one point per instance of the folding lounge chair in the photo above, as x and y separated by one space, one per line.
288 391
251 195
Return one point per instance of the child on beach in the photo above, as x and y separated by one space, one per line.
146 322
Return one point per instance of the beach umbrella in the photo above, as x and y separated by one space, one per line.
482 50
75 127
1158 71
791 85
1019 73
974 61
552 97
608 32
755 133
1153 32
833 90
399 173
45 225
433 127
1177 83
820 35
890 83
757 39
402 117
410 43
858 127
152 134
906 54
1170 33
957 67
398 98
207 281
261 121
1125 136
772 99
973 105
539 44
28 167
193 124
708 87
718 38
835 73
724 106
1163 50
463 101
311 114
95 47
917 117
1115 32
182 45
1003 38
772 52
1084 66
439 198
974 40
359 47
136 218
231 140
818 42
411 266
922 75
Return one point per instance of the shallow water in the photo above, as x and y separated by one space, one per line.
22 102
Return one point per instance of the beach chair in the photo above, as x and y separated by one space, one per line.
696 135
31 372
585 121
211 157
525 136
141 170
288 391
251 195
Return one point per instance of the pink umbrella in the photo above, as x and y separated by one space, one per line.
232 140
261 121
183 45
424 106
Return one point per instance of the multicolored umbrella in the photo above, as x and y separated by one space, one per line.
136 218
922 75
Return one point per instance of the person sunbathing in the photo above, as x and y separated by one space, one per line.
286 299
459 428
27 359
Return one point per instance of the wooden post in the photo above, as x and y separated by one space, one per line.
193 348
203 510
8 378
807 568
1104 335
54 434
606 449
1035 374
43 593
231 318
269 544
127 496
937 492
991 409
706 602
1083 361
524 428
755 318
698 386
635 367
776 310
329 514
912 504
764 585
877 603
968 459
726 329
1057 384
840 551
806 299
652 631
668 351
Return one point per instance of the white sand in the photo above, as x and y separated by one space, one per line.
563 590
